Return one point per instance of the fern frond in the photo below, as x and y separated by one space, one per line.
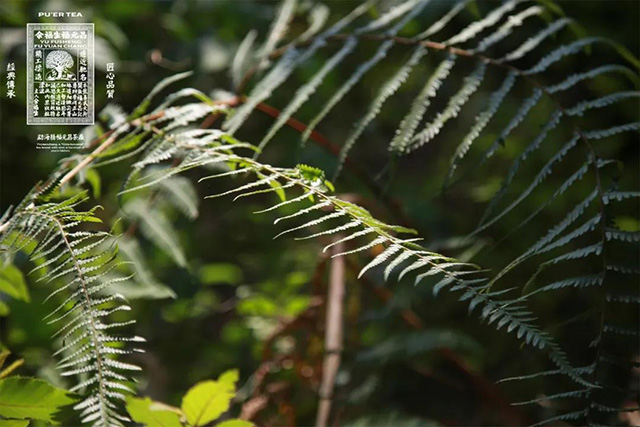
353 224
415 8
575 415
538 179
278 29
573 393
604 101
471 84
156 227
80 260
305 92
477 27
536 40
406 130
285 66
481 121
507 28
518 118
559 53
576 78
182 195
386 91
144 105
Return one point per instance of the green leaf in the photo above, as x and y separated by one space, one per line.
146 285
626 54
152 414
4 309
12 283
627 223
207 400
310 173
473 8
229 377
16 423
221 273
127 143
156 227
329 185
93 178
278 190
235 423
22 397
555 8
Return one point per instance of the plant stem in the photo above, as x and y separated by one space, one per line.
333 336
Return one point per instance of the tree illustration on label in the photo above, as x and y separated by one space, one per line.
59 62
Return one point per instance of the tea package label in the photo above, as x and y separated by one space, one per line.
60 74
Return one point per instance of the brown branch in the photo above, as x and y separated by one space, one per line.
88 159
97 140
321 141
333 336
260 400
112 138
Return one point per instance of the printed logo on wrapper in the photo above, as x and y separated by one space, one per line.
60 74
